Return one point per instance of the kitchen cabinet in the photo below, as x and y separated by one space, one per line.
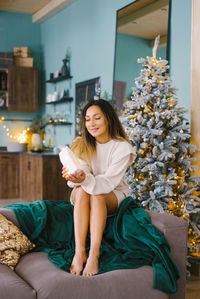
41 179
22 89
9 175
31 177
21 92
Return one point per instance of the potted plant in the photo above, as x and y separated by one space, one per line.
37 129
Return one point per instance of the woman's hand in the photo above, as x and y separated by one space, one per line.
76 177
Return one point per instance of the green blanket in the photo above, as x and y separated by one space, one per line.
129 241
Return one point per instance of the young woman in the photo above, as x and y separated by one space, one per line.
105 154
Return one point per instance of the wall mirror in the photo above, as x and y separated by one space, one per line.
138 24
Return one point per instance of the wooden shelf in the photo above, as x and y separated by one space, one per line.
64 99
54 80
59 123
16 119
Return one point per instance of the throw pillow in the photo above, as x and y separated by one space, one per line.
13 243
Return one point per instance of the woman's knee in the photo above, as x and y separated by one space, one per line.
98 198
109 200
79 195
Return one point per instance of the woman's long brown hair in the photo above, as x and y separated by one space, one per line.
84 146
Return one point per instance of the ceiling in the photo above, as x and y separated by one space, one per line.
23 6
39 9
145 19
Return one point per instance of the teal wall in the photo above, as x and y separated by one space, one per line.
180 49
17 30
128 50
88 28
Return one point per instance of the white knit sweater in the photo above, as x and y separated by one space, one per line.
107 170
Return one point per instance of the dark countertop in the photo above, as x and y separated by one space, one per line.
35 154
42 154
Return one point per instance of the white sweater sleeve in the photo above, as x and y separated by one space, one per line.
107 182
87 170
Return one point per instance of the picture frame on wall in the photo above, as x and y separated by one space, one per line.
85 91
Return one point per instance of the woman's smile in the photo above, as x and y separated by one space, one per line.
94 129
96 124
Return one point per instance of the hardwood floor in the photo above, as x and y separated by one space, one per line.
192 285
193 288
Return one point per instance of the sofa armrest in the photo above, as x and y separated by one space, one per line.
175 232
10 215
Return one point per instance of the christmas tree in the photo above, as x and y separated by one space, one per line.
161 177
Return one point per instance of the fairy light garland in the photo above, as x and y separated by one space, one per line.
20 137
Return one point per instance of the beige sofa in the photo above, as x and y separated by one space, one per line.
36 277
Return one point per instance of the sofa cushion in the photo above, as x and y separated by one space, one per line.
12 286
10 215
51 282
13 243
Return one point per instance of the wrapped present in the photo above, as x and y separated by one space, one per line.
22 51
69 160
21 61
6 59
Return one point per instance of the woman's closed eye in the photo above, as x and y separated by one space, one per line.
96 118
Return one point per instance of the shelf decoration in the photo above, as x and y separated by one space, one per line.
58 97
64 73
59 119
38 125
36 142
59 122
65 70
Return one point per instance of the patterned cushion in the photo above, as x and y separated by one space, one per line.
13 243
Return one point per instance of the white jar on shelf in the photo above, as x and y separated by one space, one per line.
36 141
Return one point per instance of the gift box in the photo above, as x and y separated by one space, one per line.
69 160
21 61
6 59
22 52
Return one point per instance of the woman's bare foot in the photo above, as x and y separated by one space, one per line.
78 261
92 265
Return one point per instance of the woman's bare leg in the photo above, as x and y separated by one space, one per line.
100 206
81 201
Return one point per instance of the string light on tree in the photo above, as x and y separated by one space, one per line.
161 177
